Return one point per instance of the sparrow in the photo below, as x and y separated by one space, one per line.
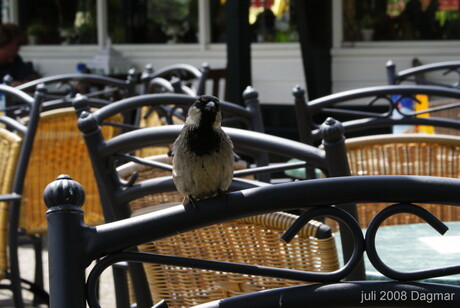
202 154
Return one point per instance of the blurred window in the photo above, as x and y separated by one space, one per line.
270 21
58 21
393 20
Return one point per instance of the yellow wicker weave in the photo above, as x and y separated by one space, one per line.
453 113
10 145
59 148
253 240
405 154
153 119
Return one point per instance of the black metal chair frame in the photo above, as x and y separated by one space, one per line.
170 105
68 82
184 78
330 105
31 108
418 74
110 242
105 154
15 238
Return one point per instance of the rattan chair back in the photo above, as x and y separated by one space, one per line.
405 154
59 148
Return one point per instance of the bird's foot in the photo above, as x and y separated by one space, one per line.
192 201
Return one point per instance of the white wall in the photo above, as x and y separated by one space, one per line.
363 64
276 68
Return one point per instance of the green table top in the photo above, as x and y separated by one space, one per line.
415 247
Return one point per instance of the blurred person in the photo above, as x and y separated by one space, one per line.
11 62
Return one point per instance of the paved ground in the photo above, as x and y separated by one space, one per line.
27 267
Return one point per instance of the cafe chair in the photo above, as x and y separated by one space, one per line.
247 144
373 110
185 78
16 143
443 74
365 155
67 86
53 142
405 154
160 109
111 243
223 242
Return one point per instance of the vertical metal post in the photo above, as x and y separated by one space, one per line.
238 49
391 72
336 155
102 25
251 101
304 123
66 243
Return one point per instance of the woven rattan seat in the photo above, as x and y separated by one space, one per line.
405 154
313 250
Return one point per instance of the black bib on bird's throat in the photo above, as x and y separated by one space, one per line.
203 141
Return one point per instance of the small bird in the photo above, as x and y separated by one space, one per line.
202 154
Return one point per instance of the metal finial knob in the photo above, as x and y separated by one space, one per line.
64 191
298 92
331 129
250 93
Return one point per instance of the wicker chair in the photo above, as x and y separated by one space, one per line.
18 139
58 147
405 154
110 243
52 143
314 250
10 145
105 152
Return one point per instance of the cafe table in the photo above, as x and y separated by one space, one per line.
414 247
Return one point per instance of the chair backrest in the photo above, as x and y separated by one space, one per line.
10 145
110 243
444 74
216 78
350 105
105 153
59 147
67 86
188 79
405 154
169 108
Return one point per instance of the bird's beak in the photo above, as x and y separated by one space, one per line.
209 106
